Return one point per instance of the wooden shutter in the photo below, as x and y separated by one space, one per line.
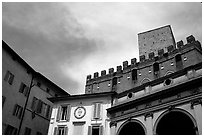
101 130
34 103
20 112
6 76
58 113
68 112
14 110
11 79
26 91
21 88
90 130
48 111
39 106
55 130
97 110
66 130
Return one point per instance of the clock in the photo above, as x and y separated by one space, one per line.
79 112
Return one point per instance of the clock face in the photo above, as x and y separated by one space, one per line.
79 112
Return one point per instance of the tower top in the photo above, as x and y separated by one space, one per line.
154 40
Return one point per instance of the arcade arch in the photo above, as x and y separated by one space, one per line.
175 122
132 127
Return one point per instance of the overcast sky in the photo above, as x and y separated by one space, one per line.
68 41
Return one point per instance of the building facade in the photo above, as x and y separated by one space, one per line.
159 95
24 96
81 114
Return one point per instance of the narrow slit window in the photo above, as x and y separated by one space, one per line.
134 74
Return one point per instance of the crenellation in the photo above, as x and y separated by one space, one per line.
170 48
160 52
88 77
125 64
190 39
119 68
103 72
179 44
142 58
96 75
133 61
111 70
151 55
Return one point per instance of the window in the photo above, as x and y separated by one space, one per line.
23 89
36 105
27 131
134 74
9 77
40 107
97 111
95 130
156 69
63 113
179 63
10 130
17 111
61 130
114 83
3 100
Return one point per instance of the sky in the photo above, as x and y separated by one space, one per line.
68 41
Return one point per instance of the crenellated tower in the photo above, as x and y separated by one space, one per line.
159 56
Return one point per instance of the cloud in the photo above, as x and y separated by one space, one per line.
47 37
67 41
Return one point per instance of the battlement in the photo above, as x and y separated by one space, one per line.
144 61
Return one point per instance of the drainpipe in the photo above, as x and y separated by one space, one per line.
24 108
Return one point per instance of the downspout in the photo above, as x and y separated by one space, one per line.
24 108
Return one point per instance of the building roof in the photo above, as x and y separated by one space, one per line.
16 57
82 96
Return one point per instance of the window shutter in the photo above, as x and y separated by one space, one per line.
101 130
21 88
14 110
55 131
6 76
66 130
90 130
48 111
97 109
20 112
11 79
68 112
26 91
33 103
58 113
39 107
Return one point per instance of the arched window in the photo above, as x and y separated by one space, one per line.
134 74
156 69
179 63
